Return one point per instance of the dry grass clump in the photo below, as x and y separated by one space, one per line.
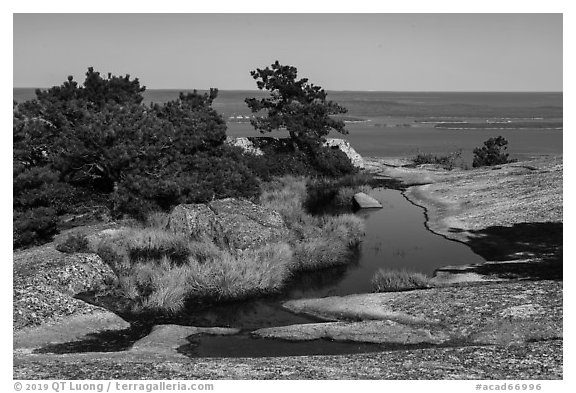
345 228
345 194
160 270
399 280
331 245
320 253
74 243
318 241
152 243
158 220
252 272
449 161
160 286
157 281
286 195
335 195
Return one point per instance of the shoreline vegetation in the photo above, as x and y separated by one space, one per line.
96 151
160 271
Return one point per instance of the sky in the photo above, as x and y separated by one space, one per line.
380 52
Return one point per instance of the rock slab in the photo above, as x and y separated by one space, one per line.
378 332
369 306
45 281
74 328
488 314
167 338
347 149
245 144
251 145
365 201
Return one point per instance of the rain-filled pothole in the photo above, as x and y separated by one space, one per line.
396 238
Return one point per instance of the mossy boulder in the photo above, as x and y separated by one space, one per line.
233 223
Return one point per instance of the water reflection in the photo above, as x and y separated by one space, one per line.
395 238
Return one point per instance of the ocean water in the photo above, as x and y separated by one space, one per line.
403 124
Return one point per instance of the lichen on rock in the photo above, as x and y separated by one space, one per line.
233 223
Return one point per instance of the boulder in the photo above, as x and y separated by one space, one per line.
45 280
263 216
251 145
365 201
245 144
193 220
77 327
347 149
237 224
244 225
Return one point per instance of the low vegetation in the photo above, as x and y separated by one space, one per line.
387 280
74 243
319 241
335 193
95 148
492 153
283 158
160 271
449 161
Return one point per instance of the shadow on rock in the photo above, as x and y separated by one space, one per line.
525 250
105 341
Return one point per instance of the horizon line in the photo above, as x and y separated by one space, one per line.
338 91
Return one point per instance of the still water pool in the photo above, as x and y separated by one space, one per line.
396 238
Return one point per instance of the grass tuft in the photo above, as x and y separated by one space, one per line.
162 281
74 243
399 280
329 195
449 161
153 243
250 273
158 220
320 253
286 195
344 228
345 194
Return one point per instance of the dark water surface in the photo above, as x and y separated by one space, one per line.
246 346
396 238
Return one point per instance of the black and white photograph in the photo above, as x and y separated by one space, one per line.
205 196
